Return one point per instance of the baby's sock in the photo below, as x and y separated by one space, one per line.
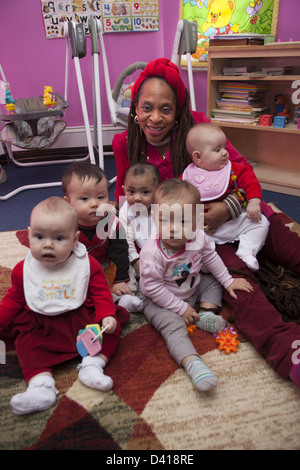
91 373
295 374
202 377
40 395
250 261
131 303
210 322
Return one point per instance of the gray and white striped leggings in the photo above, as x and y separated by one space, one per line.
172 327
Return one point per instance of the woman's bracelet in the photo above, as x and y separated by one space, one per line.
233 206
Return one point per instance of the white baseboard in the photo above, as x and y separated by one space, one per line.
76 136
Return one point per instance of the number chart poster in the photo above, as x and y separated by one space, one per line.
116 16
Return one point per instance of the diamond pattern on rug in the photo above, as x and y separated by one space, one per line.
84 432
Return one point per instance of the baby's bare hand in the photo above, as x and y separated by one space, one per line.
111 324
253 209
120 288
256 216
190 315
239 284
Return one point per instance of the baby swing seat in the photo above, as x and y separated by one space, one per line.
34 125
121 94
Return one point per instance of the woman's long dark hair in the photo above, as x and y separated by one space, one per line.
136 141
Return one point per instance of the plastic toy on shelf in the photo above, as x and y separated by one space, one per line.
266 120
280 121
281 107
49 97
10 104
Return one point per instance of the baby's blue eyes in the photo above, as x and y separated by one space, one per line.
133 192
59 238
85 198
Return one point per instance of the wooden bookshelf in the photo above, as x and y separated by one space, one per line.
275 151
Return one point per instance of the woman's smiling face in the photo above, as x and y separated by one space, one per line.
156 109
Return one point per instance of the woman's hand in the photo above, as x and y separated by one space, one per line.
215 215
239 283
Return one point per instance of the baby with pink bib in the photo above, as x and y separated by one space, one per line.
216 178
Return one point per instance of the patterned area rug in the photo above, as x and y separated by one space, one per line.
153 405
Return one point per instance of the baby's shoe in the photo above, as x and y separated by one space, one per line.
91 374
39 396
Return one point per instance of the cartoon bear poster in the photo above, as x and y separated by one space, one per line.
226 17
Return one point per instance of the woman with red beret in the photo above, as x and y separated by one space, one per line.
158 123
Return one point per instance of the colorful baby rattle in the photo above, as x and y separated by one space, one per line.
89 340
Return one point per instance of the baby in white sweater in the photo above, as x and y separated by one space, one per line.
140 183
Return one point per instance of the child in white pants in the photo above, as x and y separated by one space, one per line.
215 177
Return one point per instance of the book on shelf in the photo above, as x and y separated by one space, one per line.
233 111
237 74
237 117
242 97
246 117
235 120
240 39
240 102
256 72
237 70
277 70
257 107
241 93
239 87
236 41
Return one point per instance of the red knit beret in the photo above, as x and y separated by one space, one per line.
163 68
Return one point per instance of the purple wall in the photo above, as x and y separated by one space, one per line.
30 61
